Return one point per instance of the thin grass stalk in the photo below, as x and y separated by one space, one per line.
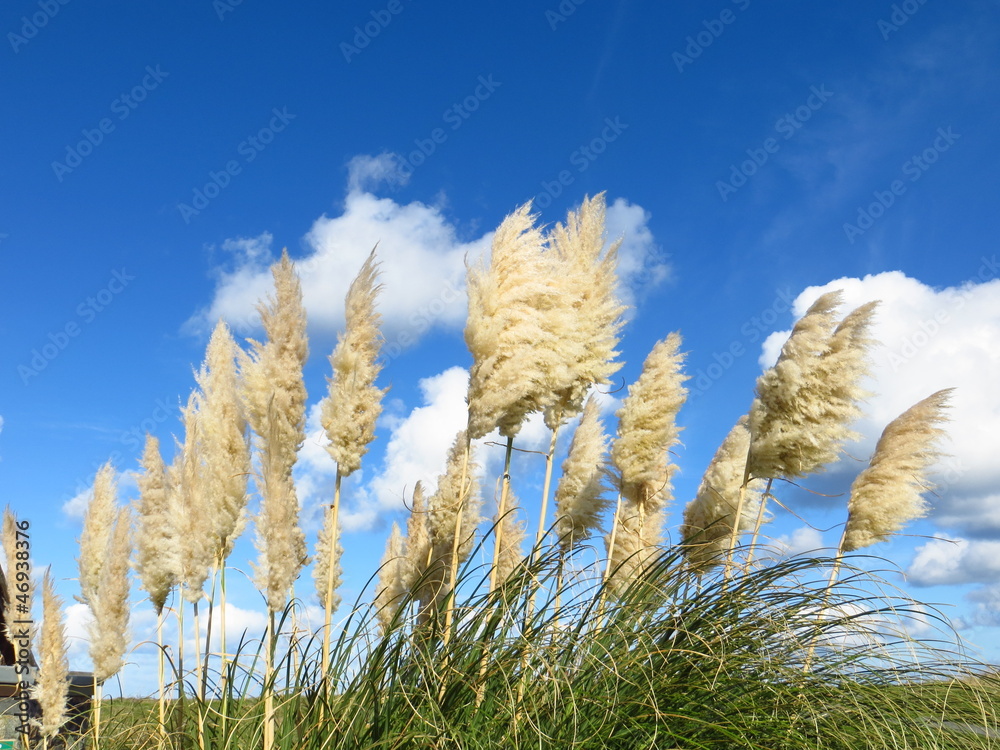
223 658
162 707
545 492
501 510
758 522
328 614
97 713
602 600
198 676
449 612
735 538
825 599
269 683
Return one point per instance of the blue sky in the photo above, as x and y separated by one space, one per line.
157 158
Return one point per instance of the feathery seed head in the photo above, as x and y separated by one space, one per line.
279 539
222 441
709 518
157 557
647 427
98 522
804 404
517 314
52 687
328 552
197 546
580 495
889 493
418 538
351 409
590 282
391 588
272 371
110 607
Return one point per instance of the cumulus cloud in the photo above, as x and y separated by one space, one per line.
423 257
933 339
955 561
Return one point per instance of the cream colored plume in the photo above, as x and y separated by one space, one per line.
418 539
637 540
391 587
222 441
353 405
98 522
279 540
647 428
889 493
805 404
580 495
195 524
517 315
444 509
274 395
709 518
590 283
52 687
272 371
328 552
157 554
109 605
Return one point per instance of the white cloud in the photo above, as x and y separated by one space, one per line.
804 540
365 172
934 339
422 255
955 561
76 506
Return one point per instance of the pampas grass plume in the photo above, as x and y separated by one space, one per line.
52 687
272 371
222 441
889 493
709 518
647 426
98 523
789 437
354 403
580 495
391 587
517 312
110 606
590 338
328 552
156 540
